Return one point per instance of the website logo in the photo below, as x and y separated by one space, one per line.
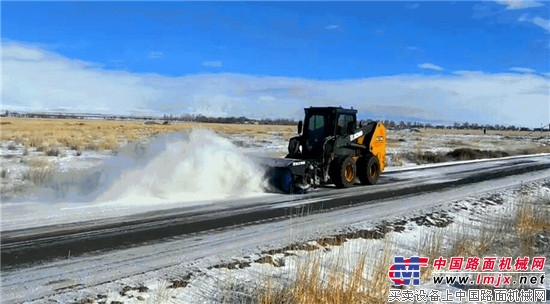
406 271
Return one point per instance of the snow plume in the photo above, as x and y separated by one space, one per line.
174 170
197 166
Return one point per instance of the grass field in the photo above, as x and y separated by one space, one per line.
422 146
33 149
46 134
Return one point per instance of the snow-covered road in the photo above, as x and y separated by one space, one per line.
329 211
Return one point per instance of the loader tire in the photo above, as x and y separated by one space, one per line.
368 168
343 172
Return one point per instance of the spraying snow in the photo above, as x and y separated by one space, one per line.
201 166
176 170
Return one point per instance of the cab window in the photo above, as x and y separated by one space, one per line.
316 122
346 124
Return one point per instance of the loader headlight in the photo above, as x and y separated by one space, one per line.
380 138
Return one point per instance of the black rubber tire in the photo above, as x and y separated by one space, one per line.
343 172
368 170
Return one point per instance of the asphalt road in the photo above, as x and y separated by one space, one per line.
38 262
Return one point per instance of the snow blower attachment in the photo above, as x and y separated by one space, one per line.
330 148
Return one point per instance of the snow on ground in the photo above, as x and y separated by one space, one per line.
242 277
405 146
177 169
192 168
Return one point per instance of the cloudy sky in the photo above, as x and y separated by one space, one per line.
481 62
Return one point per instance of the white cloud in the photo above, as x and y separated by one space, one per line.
524 17
430 66
53 82
21 52
212 64
33 79
522 70
519 4
544 23
332 27
468 73
155 55
412 6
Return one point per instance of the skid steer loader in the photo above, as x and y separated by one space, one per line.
330 149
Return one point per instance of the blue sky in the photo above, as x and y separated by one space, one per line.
281 54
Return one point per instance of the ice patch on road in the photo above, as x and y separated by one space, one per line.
201 166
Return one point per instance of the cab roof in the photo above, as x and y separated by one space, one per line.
333 110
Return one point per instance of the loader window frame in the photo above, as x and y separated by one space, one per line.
317 128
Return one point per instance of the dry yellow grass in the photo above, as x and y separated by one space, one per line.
40 171
532 218
430 246
465 245
108 134
334 286
313 284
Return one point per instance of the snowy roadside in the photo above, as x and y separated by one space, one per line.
26 171
406 237
428 232
68 197
74 185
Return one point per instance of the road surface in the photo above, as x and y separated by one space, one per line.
42 261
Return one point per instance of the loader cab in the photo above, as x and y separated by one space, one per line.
320 123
